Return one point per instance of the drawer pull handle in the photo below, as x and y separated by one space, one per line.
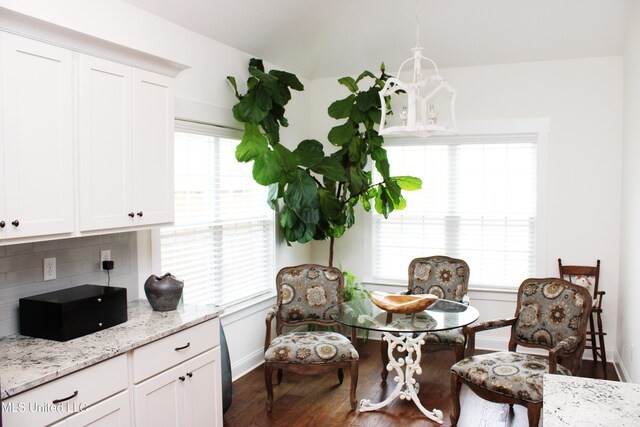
2 224
15 223
99 299
75 393
182 378
189 374
131 214
183 347
100 324
140 214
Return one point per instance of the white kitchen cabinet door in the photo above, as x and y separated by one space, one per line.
153 148
37 93
203 401
113 412
105 144
159 401
185 395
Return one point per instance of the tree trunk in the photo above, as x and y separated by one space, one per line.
331 242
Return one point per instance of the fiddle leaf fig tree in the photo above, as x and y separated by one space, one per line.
314 192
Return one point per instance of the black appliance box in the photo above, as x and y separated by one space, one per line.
74 312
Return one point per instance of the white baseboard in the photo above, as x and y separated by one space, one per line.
247 364
621 370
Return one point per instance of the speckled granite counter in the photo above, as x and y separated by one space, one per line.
573 401
27 362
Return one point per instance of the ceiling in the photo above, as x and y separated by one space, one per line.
333 38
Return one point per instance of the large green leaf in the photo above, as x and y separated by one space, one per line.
382 203
365 74
309 153
257 63
394 192
288 218
379 155
301 193
408 183
267 169
342 108
286 160
340 135
234 85
254 107
356 180
252 145
330 206
288 78
331 168
273 195
349 83
363 101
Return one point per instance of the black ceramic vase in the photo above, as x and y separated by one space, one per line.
164 292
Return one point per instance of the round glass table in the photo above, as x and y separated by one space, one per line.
404 333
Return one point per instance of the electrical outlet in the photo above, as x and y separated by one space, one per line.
49 267
104 256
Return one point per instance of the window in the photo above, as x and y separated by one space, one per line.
222 244
478 202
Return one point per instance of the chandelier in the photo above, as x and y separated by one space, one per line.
424 106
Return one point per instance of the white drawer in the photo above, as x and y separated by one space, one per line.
170 351
36 407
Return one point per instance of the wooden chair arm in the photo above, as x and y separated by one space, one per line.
270 315
565 346
597 300
470 331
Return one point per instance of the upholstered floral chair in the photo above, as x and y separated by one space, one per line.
447 278
551 314
305 295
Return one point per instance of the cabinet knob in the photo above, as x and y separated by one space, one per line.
15 223
140 214
189 374
99 299
181 378
131 214
100 324
2 224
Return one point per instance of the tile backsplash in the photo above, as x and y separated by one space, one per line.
77 263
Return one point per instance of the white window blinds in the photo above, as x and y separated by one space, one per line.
222 244
478 203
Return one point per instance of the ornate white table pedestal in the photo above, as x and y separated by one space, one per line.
406 367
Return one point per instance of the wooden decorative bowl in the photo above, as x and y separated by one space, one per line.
404 304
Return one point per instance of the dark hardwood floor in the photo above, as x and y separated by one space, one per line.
320 400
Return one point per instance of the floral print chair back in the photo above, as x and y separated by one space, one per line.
447 278
305 295
551 314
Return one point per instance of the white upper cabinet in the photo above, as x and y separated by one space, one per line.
36 145
125 146
105 144
153 148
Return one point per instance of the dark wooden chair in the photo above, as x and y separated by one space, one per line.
589 277
551 314
305 295
447 278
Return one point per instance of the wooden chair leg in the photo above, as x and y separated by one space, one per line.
353 371
533 412
384 348
340 375
592 334
455 398
603 352
268 377
279 376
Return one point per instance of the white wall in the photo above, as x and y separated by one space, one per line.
583 100
628 338
201 90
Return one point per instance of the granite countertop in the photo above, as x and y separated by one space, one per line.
593 402
27 362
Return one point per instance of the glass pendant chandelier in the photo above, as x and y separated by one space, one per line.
421 107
